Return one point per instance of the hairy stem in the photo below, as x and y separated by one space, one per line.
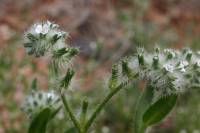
71 114
142 104
101 105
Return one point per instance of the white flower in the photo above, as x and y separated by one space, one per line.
180 67
168 67
43 38
183 65
39 29
198 63
51 95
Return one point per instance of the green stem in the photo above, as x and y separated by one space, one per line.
71 114
64 100
142 104
102 104
83 115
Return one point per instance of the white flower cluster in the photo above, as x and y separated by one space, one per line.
168 71
37 101
44 37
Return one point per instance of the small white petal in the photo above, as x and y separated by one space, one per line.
38 29
198 63
183 65
168 67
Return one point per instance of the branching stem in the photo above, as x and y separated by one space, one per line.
71 114
102 104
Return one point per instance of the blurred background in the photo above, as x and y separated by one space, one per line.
105 31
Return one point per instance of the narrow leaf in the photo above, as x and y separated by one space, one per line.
39 123
159 110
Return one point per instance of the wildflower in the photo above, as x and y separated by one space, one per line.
44 37
167 71
39 29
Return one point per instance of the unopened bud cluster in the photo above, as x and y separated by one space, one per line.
37 101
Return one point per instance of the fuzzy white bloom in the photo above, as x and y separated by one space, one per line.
42 38
41 29
51 95
168 71
168 67
36 101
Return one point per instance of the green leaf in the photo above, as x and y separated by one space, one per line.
158 111
39 123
